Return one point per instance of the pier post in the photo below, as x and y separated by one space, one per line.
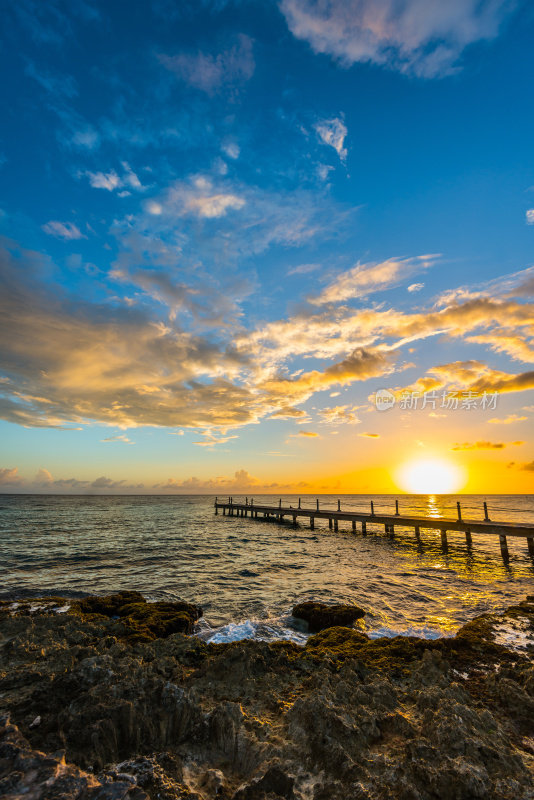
339 505
504 547
468 538
372 509
317 501
299 502
391 531
459 507
330 522
364 528
354 526
444 539
530 542
224 511
397 507
336 525
312 523
280 503
417 532
486 518
216 509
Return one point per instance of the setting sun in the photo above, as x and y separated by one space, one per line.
430 476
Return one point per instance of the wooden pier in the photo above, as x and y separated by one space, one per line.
468 527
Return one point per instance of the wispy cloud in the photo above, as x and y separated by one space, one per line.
111 180
332 132
118 438
484 445
211 73
420 38
511 419
337 415
54 83
529 214
364 279
63 230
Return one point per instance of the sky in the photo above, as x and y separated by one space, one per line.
225 226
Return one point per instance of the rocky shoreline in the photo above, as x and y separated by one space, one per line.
113 698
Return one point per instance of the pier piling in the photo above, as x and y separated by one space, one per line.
503 530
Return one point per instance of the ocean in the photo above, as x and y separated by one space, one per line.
247 574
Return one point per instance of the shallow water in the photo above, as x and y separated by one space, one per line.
247 574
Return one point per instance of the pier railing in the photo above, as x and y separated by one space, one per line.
321 510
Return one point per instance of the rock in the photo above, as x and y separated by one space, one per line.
142 621
274 784
320 615
28 773
124 717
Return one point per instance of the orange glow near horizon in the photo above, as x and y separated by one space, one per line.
431 476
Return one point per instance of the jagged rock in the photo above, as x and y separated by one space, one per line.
30 774
345 716
320 615
275 784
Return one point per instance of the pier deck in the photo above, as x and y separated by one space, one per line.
390 521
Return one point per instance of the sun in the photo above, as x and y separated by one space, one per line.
430 476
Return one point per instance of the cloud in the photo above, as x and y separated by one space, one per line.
484 445
419 37
364 279
530 216
55 84
508 420
102 180
415 287
529 467
107 483
212 73
241 480
43 477
118 438
471 376
306 434
66 361
288 412
332 132
231 149
10 477
63 230
199 197
111 180
370 435
338 415
213 439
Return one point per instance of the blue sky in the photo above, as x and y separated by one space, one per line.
227 224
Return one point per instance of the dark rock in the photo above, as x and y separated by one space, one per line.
274 784
320 615
28 773
142 621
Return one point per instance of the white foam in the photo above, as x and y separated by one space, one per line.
515 634
423 632
259 630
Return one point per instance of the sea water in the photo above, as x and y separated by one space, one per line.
247 573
